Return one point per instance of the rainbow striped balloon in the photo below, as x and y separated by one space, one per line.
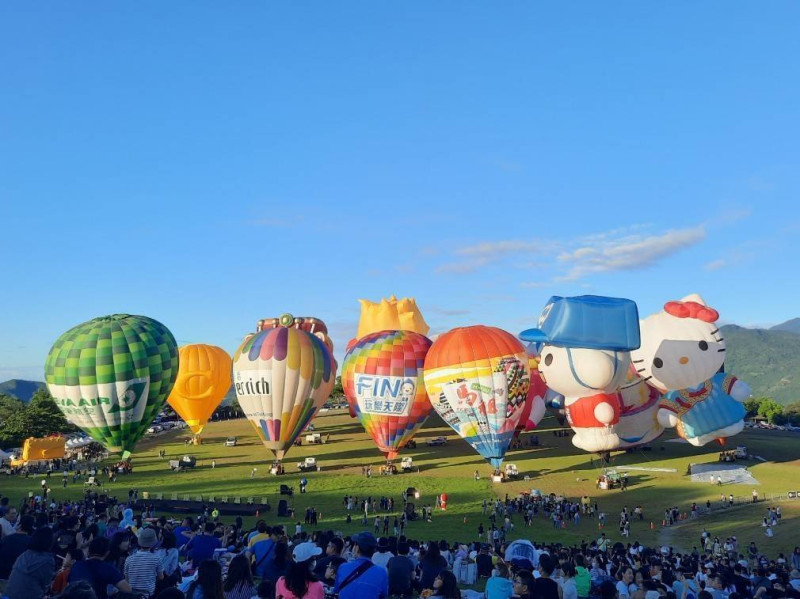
282 376
382 379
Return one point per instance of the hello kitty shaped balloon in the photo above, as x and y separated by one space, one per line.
681 354
585 357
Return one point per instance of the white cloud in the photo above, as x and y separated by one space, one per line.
716 264
533 284
628 253
621 249
494 249
464 267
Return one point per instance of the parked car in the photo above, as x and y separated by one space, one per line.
437 441
231 442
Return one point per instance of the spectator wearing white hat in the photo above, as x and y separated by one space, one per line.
300 581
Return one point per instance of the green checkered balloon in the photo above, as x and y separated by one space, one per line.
111 376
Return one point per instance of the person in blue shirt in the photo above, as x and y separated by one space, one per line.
201 546
98 572
186 527
361 579
499 586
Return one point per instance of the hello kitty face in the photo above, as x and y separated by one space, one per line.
578 372
681 346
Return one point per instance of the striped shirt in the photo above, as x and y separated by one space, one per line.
243 590
142 569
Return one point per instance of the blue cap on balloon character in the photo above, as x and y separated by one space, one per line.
588 321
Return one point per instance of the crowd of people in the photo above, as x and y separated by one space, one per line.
99 548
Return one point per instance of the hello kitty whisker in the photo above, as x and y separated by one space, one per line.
720 339
641 369
715 331
719 350
637 361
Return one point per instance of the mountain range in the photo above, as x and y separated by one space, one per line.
22 390
766 359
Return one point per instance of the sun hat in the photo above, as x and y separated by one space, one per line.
305 551
147 538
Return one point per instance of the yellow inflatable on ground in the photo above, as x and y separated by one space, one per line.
204 377
391 315
45 448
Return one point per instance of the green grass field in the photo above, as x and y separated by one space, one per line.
553 467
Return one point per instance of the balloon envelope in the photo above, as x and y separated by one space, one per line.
638 422
382 380
111 376
534 409
477 379
204 377
282 376
391 315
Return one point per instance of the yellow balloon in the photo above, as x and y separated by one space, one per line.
204 377
391 315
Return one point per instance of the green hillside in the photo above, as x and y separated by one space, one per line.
21 390
767 360
792 326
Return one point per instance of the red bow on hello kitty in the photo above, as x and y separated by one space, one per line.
691 310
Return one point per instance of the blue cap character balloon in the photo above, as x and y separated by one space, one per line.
585 344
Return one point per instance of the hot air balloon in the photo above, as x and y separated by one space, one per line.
309 324
111 376
535 407
586 342
681 355
204 377
391 315
282 377
387 315
638 423
382 379
477 379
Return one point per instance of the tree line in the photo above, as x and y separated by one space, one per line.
775 413
39 418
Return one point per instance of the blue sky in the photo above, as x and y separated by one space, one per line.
209 166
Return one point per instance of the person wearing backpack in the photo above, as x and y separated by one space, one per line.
362 579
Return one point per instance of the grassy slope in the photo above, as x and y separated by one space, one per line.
555 467
767 360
